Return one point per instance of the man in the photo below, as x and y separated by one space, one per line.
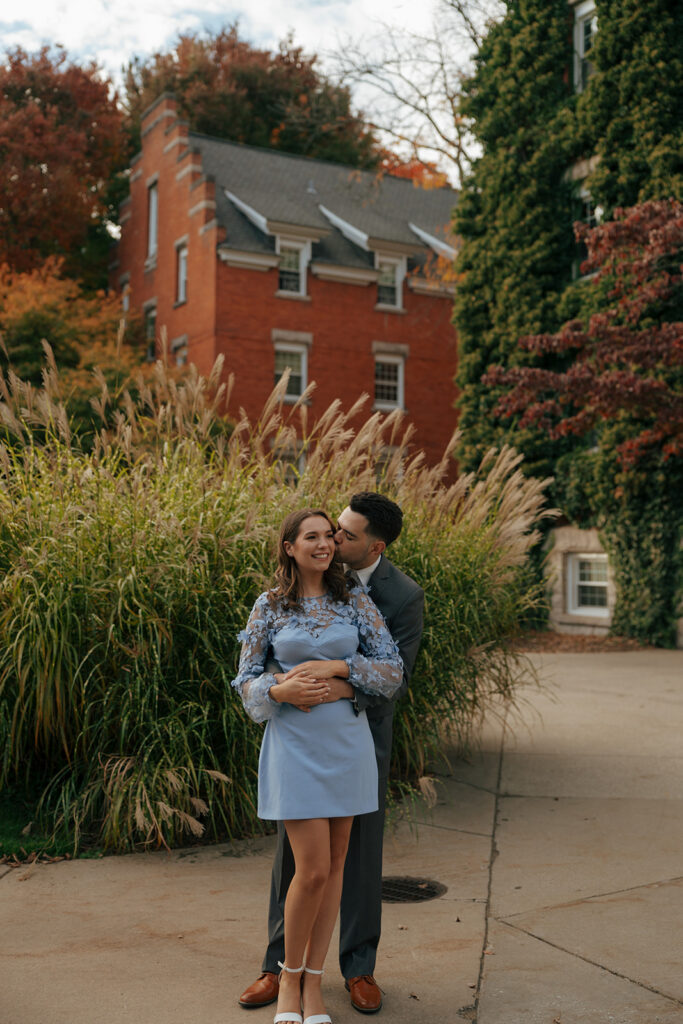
366 528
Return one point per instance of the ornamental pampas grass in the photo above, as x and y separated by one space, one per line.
128 570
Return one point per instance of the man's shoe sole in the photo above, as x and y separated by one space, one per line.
360 1009
256 1006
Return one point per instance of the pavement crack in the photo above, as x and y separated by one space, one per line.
492 860
450 828
594 963
586 899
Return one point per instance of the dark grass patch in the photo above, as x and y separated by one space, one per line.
21 837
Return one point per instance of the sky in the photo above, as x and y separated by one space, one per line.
111 32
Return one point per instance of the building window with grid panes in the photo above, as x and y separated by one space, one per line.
587 582
181 273
295 359
290 274
388 382
585 28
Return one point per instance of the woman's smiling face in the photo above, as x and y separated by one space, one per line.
314 546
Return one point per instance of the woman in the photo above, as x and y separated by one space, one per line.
317 767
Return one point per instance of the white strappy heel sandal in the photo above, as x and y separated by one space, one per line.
289 1015
316 1018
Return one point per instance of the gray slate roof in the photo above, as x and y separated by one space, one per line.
290 190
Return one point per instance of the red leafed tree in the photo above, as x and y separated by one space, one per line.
60 139
625 361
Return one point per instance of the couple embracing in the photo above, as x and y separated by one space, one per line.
324 656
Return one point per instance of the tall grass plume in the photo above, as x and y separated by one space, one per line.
128 569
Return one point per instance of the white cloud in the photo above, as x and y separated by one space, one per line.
111 33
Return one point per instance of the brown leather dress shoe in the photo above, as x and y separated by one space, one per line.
263 991
365 994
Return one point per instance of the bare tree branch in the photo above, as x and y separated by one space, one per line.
411 83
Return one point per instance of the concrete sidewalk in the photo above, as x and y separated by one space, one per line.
560 843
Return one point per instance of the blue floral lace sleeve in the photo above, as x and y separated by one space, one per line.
251 682
376 667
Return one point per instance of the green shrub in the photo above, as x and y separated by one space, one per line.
128 570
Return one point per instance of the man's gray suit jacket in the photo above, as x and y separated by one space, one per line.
400 600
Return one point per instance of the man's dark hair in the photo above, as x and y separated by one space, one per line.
384 516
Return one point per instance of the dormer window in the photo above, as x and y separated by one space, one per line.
290 269
293 257
390 282
386 283
585 28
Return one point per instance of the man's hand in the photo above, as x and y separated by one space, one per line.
340 689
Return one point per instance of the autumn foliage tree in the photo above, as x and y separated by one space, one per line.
423 173
60 142
83 331
619 394
228 88
627 360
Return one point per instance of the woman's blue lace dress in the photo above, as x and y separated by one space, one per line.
317 764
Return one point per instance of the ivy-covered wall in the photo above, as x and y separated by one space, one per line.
515 211
517 265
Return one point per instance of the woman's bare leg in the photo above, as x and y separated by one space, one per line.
321 933
310 842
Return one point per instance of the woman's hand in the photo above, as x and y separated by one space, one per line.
300 690
318 670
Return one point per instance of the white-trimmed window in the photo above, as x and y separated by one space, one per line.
388 381
390 282
150 316
587 582
294 258
152 220
585 28
179 350
181 272
294 358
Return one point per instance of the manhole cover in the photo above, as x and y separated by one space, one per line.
403 889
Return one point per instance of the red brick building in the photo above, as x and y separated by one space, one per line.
277 260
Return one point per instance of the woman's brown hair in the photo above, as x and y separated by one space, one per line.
287 589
